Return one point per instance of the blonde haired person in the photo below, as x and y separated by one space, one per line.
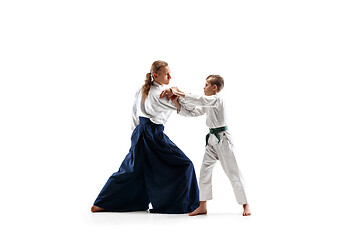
155 170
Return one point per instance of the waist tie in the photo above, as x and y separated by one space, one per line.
144 120
215 131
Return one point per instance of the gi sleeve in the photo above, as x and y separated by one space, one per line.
202 101
163 103
190 110
135 115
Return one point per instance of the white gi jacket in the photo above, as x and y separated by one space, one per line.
157 109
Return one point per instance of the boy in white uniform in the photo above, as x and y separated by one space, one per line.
218 141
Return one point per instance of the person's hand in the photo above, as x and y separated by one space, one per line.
177 92
174 98
167 92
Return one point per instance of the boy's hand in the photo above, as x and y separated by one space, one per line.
167 92
177 92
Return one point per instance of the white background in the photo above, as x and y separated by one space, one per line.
69 71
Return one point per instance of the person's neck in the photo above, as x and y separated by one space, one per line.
158 83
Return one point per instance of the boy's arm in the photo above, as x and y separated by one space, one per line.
183 109
189 110
197 100
188 105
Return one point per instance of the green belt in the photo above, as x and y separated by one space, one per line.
215 131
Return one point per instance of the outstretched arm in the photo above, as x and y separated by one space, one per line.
197 100
177 97
190 110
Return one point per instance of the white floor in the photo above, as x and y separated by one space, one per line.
65 214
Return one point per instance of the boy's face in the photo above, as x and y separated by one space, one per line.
209 89
163 76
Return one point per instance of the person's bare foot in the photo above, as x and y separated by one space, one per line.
246 210
200 210
97 209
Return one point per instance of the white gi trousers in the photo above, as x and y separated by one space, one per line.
222 151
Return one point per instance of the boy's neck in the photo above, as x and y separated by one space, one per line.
213 94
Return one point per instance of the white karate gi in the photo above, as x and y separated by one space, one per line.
213 106
157 109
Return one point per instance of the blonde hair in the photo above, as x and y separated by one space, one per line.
155 67
217 80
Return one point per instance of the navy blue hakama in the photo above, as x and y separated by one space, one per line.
155 170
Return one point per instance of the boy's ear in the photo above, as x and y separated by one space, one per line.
215 88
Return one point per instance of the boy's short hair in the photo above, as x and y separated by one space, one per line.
217 80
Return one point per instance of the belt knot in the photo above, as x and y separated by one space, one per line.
215 131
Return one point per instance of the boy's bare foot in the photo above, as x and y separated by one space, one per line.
97 209
246 210
200 210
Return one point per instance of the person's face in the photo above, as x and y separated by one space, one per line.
163 76
209 89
